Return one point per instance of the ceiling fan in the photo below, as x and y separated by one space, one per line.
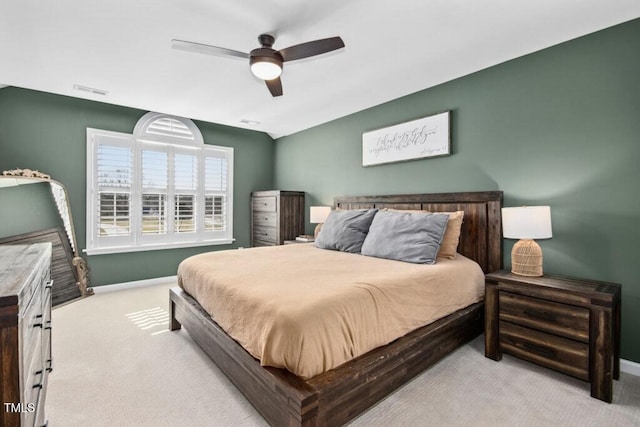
266 63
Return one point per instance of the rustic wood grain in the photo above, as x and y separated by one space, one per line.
548 316
276 216
480 237
63 272
491 338
25 315
601 354
334 397
567 324
337 396
564 355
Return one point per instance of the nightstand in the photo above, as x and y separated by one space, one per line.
569 325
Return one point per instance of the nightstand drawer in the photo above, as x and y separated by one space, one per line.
263 204
265 218
265 234
555 318
564 355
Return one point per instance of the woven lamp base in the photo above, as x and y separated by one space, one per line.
526 258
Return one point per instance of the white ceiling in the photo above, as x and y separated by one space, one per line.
392 49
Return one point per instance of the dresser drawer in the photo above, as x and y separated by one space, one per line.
564 355
32 324
258 242
269 219
33 380
39 276
559 319
265 234
263 204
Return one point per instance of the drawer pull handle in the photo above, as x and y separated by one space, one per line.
37 325
38 316
49 285
48 327
38 386
38 372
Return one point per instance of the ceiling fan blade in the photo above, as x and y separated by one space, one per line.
207 49
275 86
316 47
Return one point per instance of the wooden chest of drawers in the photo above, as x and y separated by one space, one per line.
570 325
276 216
25 325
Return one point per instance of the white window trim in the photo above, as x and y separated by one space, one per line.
140 138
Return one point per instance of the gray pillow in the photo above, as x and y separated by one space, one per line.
404 236
345 230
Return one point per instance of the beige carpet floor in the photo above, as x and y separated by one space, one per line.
116 364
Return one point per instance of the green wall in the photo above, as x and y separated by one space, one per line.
48 132
558 127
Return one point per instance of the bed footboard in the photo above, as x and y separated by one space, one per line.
281 398
336 396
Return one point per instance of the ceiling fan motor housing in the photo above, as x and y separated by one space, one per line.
265 62
265 54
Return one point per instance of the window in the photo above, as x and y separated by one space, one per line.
161 187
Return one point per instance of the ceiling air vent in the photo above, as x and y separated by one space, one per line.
90 90
249 122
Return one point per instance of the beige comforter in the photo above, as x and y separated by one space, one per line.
309 310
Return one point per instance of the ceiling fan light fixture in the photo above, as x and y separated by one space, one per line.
266 68
266 63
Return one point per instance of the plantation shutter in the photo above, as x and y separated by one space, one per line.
186 185
161 187
155 179
216 192
111 198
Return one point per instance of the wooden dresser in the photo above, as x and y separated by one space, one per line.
276 216
25 325
569 325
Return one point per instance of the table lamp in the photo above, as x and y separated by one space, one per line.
318 215
526 223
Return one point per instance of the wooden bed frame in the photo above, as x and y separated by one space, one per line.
339 395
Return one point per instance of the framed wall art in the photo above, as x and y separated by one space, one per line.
417 139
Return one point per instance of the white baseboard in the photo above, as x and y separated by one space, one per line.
629 367
136 284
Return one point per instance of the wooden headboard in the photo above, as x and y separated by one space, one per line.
480 238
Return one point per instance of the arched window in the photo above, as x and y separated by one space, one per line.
161 187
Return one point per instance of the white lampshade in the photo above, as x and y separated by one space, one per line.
266 70
526 222
319 214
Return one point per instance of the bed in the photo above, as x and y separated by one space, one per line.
339 394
